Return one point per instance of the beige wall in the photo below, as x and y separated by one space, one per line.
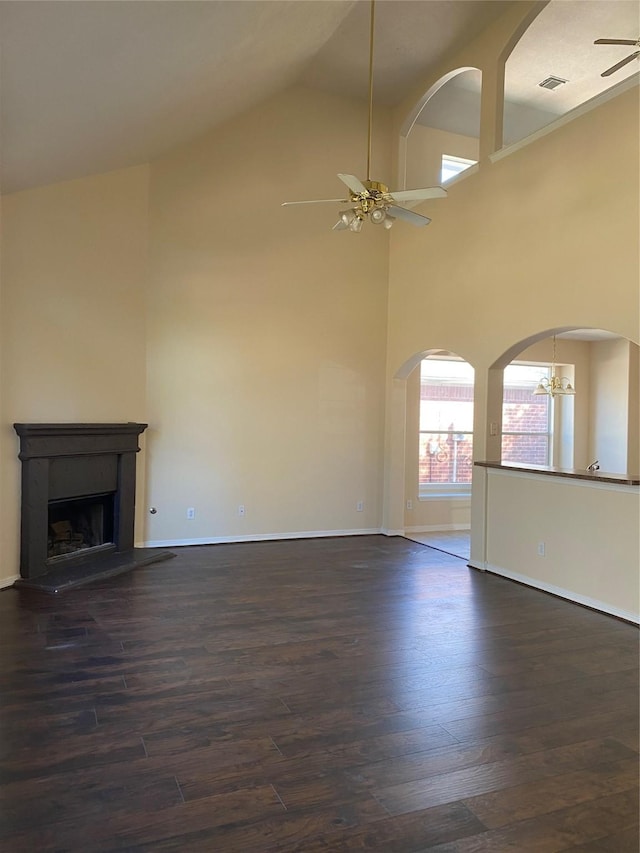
529 243
526 244
250 337
581 559
74 267
633 427
266 330
253 338
609 438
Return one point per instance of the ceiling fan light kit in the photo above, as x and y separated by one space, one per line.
372 199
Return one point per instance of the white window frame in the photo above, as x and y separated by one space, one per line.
560 445
456 165
444 491
440 491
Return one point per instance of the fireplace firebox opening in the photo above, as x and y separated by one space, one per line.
76 525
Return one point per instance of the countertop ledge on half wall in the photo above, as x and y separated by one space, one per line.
570 473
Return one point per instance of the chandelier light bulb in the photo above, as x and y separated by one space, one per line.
378 215
356 224
554 386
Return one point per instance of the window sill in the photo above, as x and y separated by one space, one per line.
445 496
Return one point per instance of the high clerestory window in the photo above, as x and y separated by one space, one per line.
453 166
446 428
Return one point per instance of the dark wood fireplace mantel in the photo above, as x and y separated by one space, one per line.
67 462
45 440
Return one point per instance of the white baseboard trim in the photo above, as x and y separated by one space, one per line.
5 582
436 528
568 594
388 532
474 564
258 537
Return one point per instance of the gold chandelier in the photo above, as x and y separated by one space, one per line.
554 386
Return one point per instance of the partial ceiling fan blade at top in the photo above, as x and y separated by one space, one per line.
620 64
355 184
408 215
417 195
615 41
318 201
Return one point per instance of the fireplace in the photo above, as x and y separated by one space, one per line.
79 524
78 503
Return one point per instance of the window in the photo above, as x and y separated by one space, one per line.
453 166
527 421
446 427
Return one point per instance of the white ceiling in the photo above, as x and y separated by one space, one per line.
567 30
92 85
559 42
589 335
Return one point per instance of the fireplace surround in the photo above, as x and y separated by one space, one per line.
78 503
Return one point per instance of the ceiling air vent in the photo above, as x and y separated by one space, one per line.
552 82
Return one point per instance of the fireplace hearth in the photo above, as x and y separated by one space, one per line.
78 504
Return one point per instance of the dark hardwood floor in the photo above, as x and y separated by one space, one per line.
356 694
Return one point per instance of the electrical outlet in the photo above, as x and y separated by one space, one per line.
191 513
360 506
241 509
541 548
409 504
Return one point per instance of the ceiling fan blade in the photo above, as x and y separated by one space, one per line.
417 195
355 185
408 215
620 64
615 41
318 201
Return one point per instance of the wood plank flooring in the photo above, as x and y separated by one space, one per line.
319 696
455 542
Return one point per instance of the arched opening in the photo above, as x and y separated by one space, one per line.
555 66
441 135
439 452
568 530
600 424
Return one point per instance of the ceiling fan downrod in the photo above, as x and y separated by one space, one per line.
372 199
370 130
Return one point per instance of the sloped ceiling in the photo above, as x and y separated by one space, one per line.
91 86
87 86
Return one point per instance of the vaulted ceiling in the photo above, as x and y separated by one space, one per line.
91 86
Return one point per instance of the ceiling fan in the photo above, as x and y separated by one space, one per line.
623 62
371 198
